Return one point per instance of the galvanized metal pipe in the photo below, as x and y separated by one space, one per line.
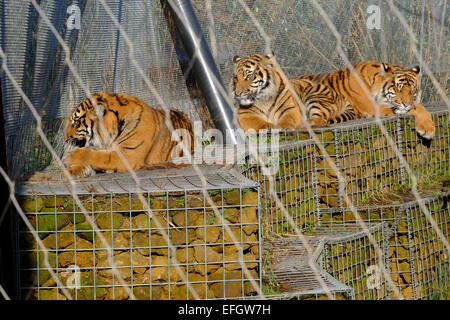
203 67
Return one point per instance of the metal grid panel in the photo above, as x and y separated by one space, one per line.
351 258
293 172
364 157
303 43
37 60
368 161
417 258
431 159
288 273
430 263
176 179
211 262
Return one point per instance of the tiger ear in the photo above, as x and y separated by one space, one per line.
384 69
100 110
416 69
270 55
122 99
236 59
270 58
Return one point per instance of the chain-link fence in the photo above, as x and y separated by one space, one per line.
304 44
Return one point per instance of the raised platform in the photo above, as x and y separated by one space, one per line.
174 236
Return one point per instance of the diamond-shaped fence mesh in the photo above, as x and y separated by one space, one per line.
304 44
350 257
294 181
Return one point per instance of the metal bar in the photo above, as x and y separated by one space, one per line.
204 67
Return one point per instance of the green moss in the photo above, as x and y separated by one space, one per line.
50 222
36 260
31 204
106 220
84 226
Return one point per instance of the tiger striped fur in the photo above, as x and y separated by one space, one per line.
137 130
392 89
265 100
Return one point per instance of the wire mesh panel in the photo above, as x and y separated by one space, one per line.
365 158
418 258
370 162
304 43
182 250
430 160
362 154
185 236
291 271
288 175
100 59
430 272
351 258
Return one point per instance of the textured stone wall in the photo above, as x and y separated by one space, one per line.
204 251
417 259
371 168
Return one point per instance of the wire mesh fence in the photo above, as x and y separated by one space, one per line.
418 261
305 180
303 43
38 61
293 168
427 161
349 257
369 162
159 238
210 260
288 272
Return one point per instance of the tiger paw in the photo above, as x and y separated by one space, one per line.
76 163
425 129
402 109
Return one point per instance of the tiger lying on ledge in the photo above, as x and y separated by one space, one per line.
266 102
394 88
138 131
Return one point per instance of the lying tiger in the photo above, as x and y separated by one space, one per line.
394 88
138 131
265 100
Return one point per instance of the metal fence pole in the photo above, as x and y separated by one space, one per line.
203 66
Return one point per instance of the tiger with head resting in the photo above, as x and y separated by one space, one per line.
137 130
392 89
265 100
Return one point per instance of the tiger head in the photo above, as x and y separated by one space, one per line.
82 129
400 88
252 79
